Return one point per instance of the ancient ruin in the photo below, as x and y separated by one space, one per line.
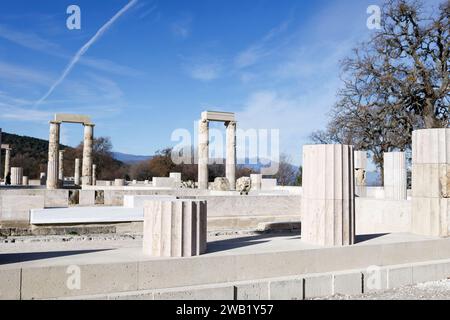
55 158
338 213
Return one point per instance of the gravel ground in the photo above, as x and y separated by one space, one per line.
436 290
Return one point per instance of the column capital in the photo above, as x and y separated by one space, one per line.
54 122
89 125
230 123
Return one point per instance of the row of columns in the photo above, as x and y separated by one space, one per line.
203 153
55 167
328 200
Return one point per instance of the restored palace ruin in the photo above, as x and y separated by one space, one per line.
332 235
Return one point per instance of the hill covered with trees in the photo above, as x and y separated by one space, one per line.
31 154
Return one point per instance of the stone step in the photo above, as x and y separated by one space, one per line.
308 286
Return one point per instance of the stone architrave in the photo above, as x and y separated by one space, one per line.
328 200
431 182
174 228
395 183
53 156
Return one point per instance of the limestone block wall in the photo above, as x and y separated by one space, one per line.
164 182
431 182
378 216
15 204
374 192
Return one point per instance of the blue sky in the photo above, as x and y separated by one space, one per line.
274 63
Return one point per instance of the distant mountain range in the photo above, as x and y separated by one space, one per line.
129 158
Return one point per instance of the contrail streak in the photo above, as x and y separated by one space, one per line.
85 48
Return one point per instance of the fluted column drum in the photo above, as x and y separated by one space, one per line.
328 201
175 228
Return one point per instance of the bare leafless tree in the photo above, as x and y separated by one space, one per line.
394 83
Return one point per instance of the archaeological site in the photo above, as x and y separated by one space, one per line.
259 160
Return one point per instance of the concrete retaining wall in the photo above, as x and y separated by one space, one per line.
316 272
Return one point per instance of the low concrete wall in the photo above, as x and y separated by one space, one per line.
15 204
307 286
319 270
374 192
16 208
375 216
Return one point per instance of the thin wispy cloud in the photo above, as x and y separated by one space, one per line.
28 40
35 42
182 27
14 73
262 48
85 48
205 71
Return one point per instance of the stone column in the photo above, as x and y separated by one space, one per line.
256 181
53 151
174 228
76 175
94 174
61 168
431 182
16 176
7 161
395 183
230 162
25 180
360 173
328 201
203 154
86 178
